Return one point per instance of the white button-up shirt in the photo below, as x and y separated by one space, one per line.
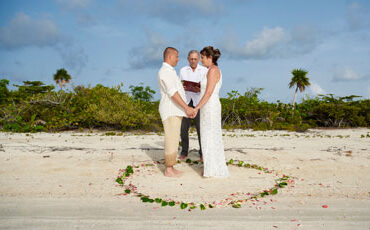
187 74
169 84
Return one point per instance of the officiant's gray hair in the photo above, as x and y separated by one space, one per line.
193 52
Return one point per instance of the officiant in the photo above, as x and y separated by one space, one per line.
191 75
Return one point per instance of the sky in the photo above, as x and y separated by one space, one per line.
122 41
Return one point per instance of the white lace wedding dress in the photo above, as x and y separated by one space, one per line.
211 133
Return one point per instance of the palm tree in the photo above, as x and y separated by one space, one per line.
61 77
300 80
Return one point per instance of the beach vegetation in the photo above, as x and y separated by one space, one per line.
34 107
300 81
62 77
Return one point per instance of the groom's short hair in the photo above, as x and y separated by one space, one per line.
167 51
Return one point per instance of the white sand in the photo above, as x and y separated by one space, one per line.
67 181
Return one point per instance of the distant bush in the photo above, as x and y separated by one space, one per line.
141 93
4 91
248 111
112 107
330 111
36 107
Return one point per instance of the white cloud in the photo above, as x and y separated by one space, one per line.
304 39
205 6
80 9
74 4
346 74
150 54
25 31
85 19
358 16
272 43
73 56
316 88
260 47
264 42
172 11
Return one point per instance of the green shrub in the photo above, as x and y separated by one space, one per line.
111 106
35 107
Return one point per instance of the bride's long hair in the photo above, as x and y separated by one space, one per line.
209 51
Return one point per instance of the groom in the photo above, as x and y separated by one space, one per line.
172 109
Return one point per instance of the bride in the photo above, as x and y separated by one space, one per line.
210 116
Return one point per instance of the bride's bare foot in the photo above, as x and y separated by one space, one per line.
170 172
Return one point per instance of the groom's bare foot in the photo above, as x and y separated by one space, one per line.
177 171
170 172
182 157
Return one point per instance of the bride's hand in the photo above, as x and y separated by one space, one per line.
195 112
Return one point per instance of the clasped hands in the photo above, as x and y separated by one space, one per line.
191 112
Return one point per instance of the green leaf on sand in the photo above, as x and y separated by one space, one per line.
264 194
274 191
183 205
145 199
171 203
129 169
282 185
119 180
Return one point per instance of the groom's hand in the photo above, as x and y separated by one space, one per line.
189 111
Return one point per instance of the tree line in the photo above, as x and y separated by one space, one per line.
34 107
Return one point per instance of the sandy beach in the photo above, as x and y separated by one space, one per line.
67 181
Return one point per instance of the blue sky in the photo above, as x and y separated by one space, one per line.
261 42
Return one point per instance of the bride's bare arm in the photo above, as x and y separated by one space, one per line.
213 77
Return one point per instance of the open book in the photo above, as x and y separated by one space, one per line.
191 86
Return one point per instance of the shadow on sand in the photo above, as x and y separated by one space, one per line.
157 155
